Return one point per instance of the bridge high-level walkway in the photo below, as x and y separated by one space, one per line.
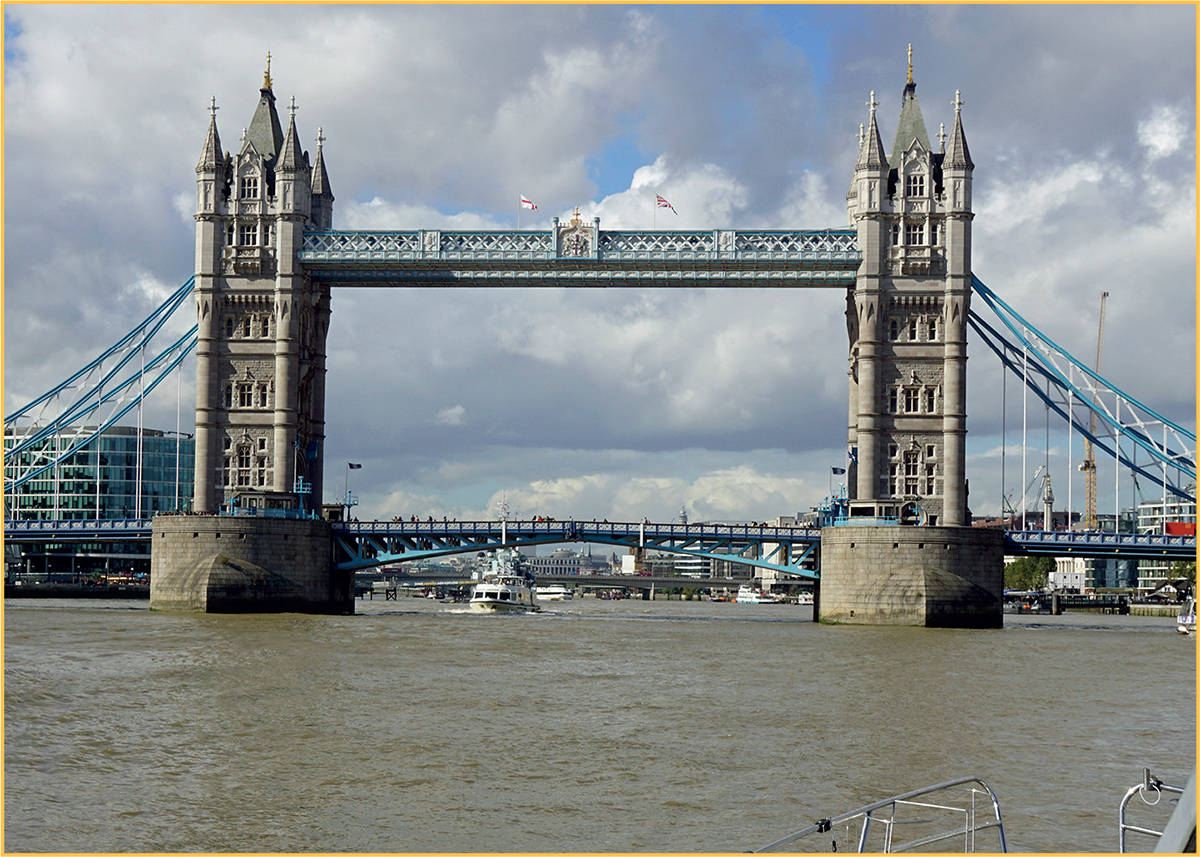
719 257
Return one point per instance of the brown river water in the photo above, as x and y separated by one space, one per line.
593 726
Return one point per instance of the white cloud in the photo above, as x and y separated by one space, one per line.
454 416
1164 133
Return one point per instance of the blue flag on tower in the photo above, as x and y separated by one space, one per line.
353 466
838 470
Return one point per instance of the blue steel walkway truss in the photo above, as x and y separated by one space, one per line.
760 259
364 544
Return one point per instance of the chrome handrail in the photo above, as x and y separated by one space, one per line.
970 826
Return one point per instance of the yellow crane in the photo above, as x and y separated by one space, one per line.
1089 453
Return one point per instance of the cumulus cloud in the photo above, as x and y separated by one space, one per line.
454 416
1163 133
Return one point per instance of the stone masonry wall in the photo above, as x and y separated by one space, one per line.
233 565
929 576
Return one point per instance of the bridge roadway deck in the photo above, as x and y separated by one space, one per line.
427 539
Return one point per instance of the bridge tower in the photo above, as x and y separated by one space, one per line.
260 364
907 322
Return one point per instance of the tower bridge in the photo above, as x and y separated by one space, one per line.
268 260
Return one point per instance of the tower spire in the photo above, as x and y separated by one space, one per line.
267 73
912 125
210 157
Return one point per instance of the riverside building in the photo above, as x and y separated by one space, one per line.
121 473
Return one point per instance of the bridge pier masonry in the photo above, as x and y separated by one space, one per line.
907 555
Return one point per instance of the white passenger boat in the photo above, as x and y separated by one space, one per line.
1185 622
506 587
805 598
553 592
748 594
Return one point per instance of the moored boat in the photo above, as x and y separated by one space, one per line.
506 586
553 592
748 594
1185 622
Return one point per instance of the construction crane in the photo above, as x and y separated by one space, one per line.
1089 453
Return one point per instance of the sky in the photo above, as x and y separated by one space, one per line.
613 404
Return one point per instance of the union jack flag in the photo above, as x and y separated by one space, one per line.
662 203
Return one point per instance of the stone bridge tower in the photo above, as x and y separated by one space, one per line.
908 321
260 358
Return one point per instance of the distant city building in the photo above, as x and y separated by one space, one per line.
1158 517
566 561
1081 575
116 475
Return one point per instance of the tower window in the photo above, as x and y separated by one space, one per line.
912 330
914 185
930 404
893 330
911 401
262 403
929 472
893 399
246 327
248 234
933 328
266 326
911 472
249 187
914 234
229 327
895 234
933 232
246 397
229 234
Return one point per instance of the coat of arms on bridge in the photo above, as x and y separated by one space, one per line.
576 240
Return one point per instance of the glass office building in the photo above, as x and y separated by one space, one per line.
119 474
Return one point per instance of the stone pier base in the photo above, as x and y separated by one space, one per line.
947 577
245 565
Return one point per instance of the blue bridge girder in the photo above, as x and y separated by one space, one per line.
720 257
365 544
104 529
1099 545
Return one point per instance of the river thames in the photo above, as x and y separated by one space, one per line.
593 726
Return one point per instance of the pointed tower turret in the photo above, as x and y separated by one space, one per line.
265 132
870 153
293 179
912 125
322 194
958 155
